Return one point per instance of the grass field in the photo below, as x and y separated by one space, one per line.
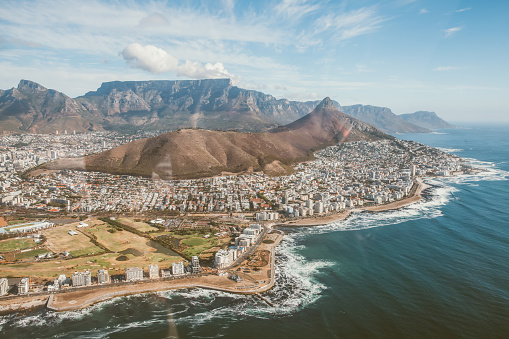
139 225
59 240
30 254
10 245
120 240
196 244
48 270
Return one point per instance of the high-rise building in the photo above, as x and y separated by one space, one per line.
153 271
133 274
195 263
81 279
177 268
4 286
103 277
24 286
223 258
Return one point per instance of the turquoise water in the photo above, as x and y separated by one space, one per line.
438 269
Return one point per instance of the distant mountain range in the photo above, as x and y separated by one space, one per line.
426 119
194 153
169 105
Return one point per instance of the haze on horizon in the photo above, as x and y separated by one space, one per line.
444 56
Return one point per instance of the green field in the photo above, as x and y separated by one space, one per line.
139 225
195 245
30 254
16 244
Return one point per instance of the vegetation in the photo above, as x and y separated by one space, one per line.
16 244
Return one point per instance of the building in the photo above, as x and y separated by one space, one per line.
153 271
80 279
133 274
177 268
4 286
166 273
103 277
223 258
195 263
24 286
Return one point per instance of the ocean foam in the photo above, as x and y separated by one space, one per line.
450 150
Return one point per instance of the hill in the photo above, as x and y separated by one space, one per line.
193 153
426 119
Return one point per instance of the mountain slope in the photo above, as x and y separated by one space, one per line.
192 153
210 103
33 108
383 118
426 119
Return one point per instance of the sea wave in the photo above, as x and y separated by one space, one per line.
450 150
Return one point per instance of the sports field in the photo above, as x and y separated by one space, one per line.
10 245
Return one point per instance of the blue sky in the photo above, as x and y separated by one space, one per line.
450 56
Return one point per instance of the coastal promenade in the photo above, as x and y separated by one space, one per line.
84 297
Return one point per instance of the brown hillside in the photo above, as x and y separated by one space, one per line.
192 153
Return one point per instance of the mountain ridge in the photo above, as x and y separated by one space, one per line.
194 153
426 119
166 105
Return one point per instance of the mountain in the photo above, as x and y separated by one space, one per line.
193 153
426 119
33 108
211 104
383 119
167 105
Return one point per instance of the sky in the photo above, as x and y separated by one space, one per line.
450 57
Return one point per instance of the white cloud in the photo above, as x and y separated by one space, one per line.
450 31
149 58
463 9
156 60
423 11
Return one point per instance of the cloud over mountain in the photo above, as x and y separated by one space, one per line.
156 60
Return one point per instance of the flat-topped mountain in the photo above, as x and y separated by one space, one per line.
192 153
211 103
426 119
166 105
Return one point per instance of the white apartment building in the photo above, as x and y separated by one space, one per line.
4 286
133 274
223 258
177 268
81 279
195 264
24 286
103 277
153 271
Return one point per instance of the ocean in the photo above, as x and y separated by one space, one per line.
435 269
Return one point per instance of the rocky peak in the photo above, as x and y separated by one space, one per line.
326 103
30 86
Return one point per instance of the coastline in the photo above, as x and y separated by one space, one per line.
82 298
79 299
324 220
